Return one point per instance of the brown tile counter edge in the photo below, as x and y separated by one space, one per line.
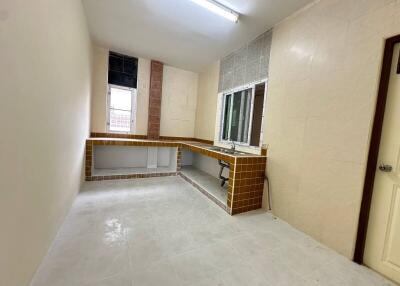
131 142
247 179
116 135
135 136
130 176
264 151
166 143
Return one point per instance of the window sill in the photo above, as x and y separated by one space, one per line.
240 147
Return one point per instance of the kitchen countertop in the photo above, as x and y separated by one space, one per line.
192 145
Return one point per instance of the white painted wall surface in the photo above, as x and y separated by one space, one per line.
164 156
178 104
187 158
207 94
108 157
143 86
99 90
208 165
105 157
45 79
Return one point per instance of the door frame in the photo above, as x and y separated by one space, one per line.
374 149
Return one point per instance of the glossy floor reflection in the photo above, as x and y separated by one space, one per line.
161 231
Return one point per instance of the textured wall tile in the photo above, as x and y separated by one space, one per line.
255 48
253 71
263 72
239 76
247 64
240 57
227 80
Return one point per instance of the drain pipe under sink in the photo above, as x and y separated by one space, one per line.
223 165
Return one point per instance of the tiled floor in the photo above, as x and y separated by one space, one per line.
161 231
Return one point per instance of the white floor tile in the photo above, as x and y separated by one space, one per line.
161 231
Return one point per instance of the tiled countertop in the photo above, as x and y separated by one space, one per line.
191 145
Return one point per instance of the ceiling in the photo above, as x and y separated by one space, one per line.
179 32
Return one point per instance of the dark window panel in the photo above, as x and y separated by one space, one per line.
122 79
116 63
122 70
129 65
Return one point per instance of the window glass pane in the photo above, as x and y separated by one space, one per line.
244 120
235 116
257 114
241 116
120 98
225 132
120 120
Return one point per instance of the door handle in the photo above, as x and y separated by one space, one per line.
385 168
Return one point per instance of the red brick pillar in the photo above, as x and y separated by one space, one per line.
155 93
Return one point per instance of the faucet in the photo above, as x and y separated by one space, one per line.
233 145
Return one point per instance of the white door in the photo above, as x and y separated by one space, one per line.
382 251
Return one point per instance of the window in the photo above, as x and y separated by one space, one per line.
121 107
242 115
237 116
122 70
121 99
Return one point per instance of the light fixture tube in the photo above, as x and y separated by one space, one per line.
219 9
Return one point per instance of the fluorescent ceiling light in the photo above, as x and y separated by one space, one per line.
219 9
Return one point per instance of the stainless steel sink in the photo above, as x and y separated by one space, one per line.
226 150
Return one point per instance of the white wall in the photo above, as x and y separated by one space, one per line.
209 165
187 158
109 157
178 103
45 75
324 73
207 102
99 90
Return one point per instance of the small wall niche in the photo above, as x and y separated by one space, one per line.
123 160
